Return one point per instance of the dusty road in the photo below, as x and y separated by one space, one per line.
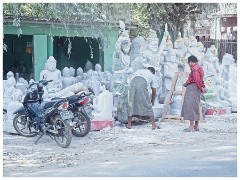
139 152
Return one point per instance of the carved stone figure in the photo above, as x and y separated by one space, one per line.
103 105
11 107
137 47
8 91
67 78
211 94
211 65
88 66
79 76
66 92
52 73
227 60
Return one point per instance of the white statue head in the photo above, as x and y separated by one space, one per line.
169 44
79 71
227 59
200 46
102 88
213 50
88 66
208 55
65 72
10 74
98 67
152 41
71 71
51 64
178 41
193 41
11 81
208 80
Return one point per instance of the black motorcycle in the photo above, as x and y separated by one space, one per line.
54 116
80 106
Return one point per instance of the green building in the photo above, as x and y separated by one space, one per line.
70 45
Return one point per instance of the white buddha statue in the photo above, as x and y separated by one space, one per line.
52 73
232 86
103 105
181 50
79 76
227 60
211 94
8 91
12 106
222 93
94 83
137 47
121 58
67 78
211 65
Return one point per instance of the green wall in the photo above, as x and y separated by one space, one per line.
45 45
40 54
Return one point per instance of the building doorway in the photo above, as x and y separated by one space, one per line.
18 57
75 51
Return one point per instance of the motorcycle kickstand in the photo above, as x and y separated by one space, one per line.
38 139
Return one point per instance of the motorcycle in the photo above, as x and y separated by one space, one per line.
80 106
54 116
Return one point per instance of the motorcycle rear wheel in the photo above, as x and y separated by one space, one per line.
22 126
63 137
83 125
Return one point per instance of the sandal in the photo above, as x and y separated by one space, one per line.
189 130
196 129
157 127
128 127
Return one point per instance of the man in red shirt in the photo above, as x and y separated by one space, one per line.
195 86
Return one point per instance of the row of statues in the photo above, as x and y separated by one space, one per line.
129 56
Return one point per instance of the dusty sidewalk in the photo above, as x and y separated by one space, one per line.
21 157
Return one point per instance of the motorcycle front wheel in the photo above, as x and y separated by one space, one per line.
23 126
83 125
63 135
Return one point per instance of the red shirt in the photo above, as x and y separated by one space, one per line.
196 76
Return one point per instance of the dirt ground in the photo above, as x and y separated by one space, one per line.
21 156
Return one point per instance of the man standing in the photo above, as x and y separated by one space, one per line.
139 102
195 86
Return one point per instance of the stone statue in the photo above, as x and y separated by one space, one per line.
88 66
152 56
103 105
8 91
232 86
201 51
79 76
211 65
137 47
22 84
213 50
94 83
52 73
11 107
67 78
211 95
121 70
227 60
222 93
181 52
66 92
121 58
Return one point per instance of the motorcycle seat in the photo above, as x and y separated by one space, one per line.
53 103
